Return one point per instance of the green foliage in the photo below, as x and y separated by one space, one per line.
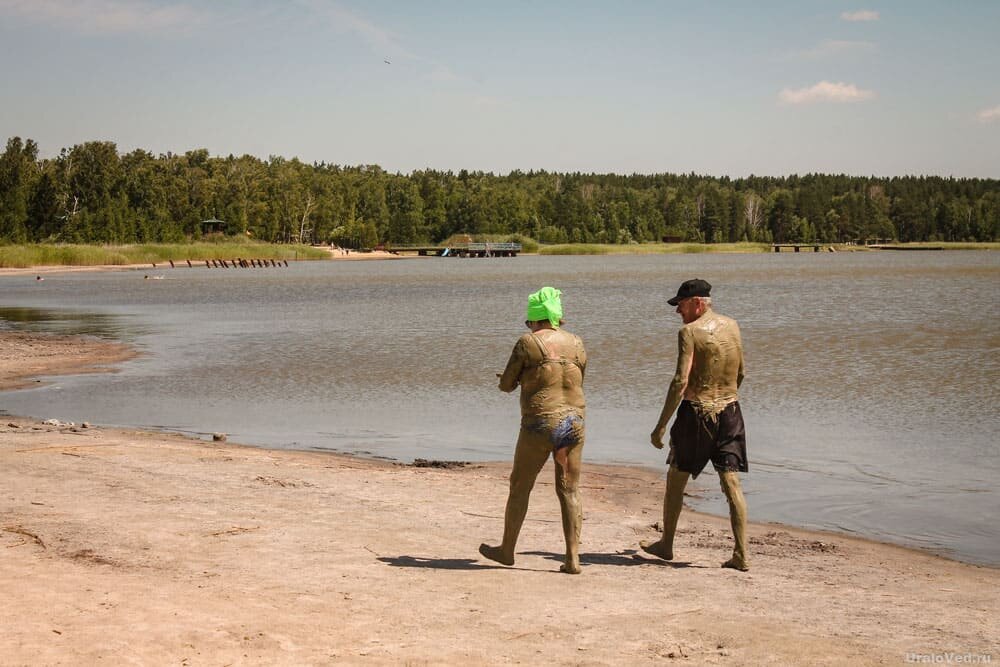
90 194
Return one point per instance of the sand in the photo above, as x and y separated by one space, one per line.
118 546
25 356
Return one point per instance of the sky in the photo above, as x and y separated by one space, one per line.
885 88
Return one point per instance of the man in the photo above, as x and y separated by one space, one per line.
548 363
709 424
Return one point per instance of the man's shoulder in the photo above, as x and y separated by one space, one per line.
711 321
726 319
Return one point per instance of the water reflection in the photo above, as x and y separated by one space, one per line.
70 323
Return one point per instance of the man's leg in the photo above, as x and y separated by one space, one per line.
673 502
568 490
737 518
529 457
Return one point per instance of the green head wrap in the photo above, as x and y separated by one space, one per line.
545 304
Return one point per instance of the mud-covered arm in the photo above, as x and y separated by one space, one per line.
740 373
581 357
511 374
685 358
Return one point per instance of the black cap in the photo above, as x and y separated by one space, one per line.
689 288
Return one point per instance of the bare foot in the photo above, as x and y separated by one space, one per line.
495 554
658 549
570 569
734 564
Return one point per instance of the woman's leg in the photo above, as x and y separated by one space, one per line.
568 490
529 456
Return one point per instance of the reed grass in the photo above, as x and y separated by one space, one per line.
26 256
953 245
650 248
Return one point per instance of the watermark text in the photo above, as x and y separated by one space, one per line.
949 658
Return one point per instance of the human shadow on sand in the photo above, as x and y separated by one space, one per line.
628 557
442 563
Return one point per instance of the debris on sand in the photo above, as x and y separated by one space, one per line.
434 463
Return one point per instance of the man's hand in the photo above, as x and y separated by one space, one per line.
656 437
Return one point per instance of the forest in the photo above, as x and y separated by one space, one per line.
91 193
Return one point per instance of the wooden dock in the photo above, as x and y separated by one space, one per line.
460 250
796 246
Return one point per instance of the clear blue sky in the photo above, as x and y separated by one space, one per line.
721 88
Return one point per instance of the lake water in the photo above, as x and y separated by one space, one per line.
870 397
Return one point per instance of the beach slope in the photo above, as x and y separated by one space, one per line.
120 546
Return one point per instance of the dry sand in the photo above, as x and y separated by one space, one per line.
125 547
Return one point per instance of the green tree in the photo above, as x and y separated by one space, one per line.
18 174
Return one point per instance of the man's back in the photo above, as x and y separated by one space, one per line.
717 370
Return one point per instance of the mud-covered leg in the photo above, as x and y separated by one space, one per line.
529 457
673 502
568 490
737 518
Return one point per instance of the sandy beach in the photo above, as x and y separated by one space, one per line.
118 546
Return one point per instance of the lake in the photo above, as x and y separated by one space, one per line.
870 397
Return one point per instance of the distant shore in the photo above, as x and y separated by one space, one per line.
39 259
126 546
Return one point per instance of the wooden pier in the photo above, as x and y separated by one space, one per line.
460 250
796 246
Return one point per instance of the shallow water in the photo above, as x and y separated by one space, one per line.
869 399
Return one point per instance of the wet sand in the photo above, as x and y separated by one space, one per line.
123 546
25 356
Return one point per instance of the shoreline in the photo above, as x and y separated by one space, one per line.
126 545
26 357
584 249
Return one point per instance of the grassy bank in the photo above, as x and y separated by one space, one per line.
649 248
949 245
25 256
671 248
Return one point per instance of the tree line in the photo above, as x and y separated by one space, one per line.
91 193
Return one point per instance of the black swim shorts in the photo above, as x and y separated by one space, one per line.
697 439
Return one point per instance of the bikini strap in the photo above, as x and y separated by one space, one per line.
541 348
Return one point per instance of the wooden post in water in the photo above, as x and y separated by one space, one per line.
189 263
171 264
